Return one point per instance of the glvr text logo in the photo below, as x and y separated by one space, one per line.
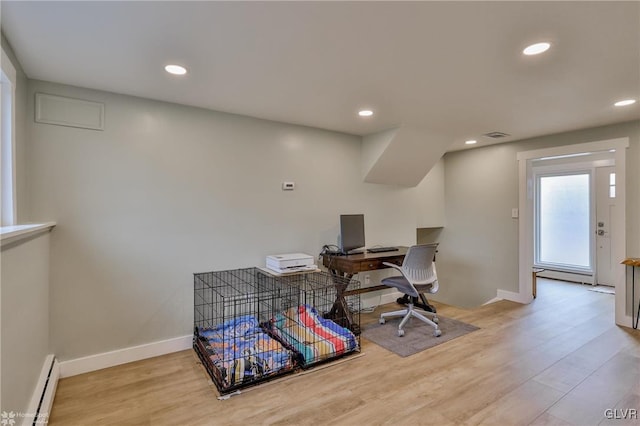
621 413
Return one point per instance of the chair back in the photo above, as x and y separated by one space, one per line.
418 266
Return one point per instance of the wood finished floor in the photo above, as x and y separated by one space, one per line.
557 361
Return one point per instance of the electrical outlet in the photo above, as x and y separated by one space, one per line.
367 280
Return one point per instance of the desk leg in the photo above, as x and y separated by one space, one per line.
340 312
633 295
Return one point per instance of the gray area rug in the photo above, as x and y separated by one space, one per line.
418 336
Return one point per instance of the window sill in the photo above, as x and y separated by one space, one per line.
12 234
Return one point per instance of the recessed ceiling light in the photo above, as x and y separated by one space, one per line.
471 142
536 49
175 69
365 113
625 102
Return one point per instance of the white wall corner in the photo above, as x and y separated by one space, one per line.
407 157
123 356
373 146
514 297
494 300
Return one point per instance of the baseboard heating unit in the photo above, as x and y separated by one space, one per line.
43 394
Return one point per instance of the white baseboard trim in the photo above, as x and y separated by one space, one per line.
495 299
567 276
42 398
627 321
90 363
513 296
377 298
390 297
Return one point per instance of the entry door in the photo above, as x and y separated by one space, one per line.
605 205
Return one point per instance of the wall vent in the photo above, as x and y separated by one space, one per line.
61 111
496 135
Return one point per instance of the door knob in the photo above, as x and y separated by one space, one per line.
601 232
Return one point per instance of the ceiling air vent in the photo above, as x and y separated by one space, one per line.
496 135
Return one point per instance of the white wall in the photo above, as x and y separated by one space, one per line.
431 206
24 282
168 190
20 134
25 318
479 244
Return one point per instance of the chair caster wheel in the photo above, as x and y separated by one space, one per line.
435 319
400 333
381 321
437 333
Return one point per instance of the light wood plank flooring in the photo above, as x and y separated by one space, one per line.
559 360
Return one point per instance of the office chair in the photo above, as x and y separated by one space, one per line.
418 276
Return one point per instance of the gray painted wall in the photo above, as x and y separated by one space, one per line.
25 319
478 253
24 283
169 190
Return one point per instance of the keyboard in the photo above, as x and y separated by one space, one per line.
381 249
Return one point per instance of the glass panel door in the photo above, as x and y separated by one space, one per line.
563 219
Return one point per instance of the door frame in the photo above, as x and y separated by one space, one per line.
559 170
526 224
607 187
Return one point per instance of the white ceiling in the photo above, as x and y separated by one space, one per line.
451 68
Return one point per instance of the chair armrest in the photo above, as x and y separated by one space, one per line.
393 265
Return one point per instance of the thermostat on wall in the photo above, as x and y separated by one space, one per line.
288 186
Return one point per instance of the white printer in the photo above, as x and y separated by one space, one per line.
291 262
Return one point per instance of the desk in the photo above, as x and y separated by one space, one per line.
633 262
348 266
345 267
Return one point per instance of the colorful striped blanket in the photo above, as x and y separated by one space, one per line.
316 338
242 351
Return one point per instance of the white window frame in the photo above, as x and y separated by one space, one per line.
563 170
8 141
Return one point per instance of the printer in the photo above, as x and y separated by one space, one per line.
291 262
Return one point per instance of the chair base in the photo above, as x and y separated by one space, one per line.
410 312
421 303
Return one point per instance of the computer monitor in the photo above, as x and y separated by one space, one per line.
351 232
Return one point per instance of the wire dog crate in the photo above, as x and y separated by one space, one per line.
322 326
229 307
250 326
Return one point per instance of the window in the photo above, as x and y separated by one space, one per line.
612 185
7 141
563 218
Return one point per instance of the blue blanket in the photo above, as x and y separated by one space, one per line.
242 351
